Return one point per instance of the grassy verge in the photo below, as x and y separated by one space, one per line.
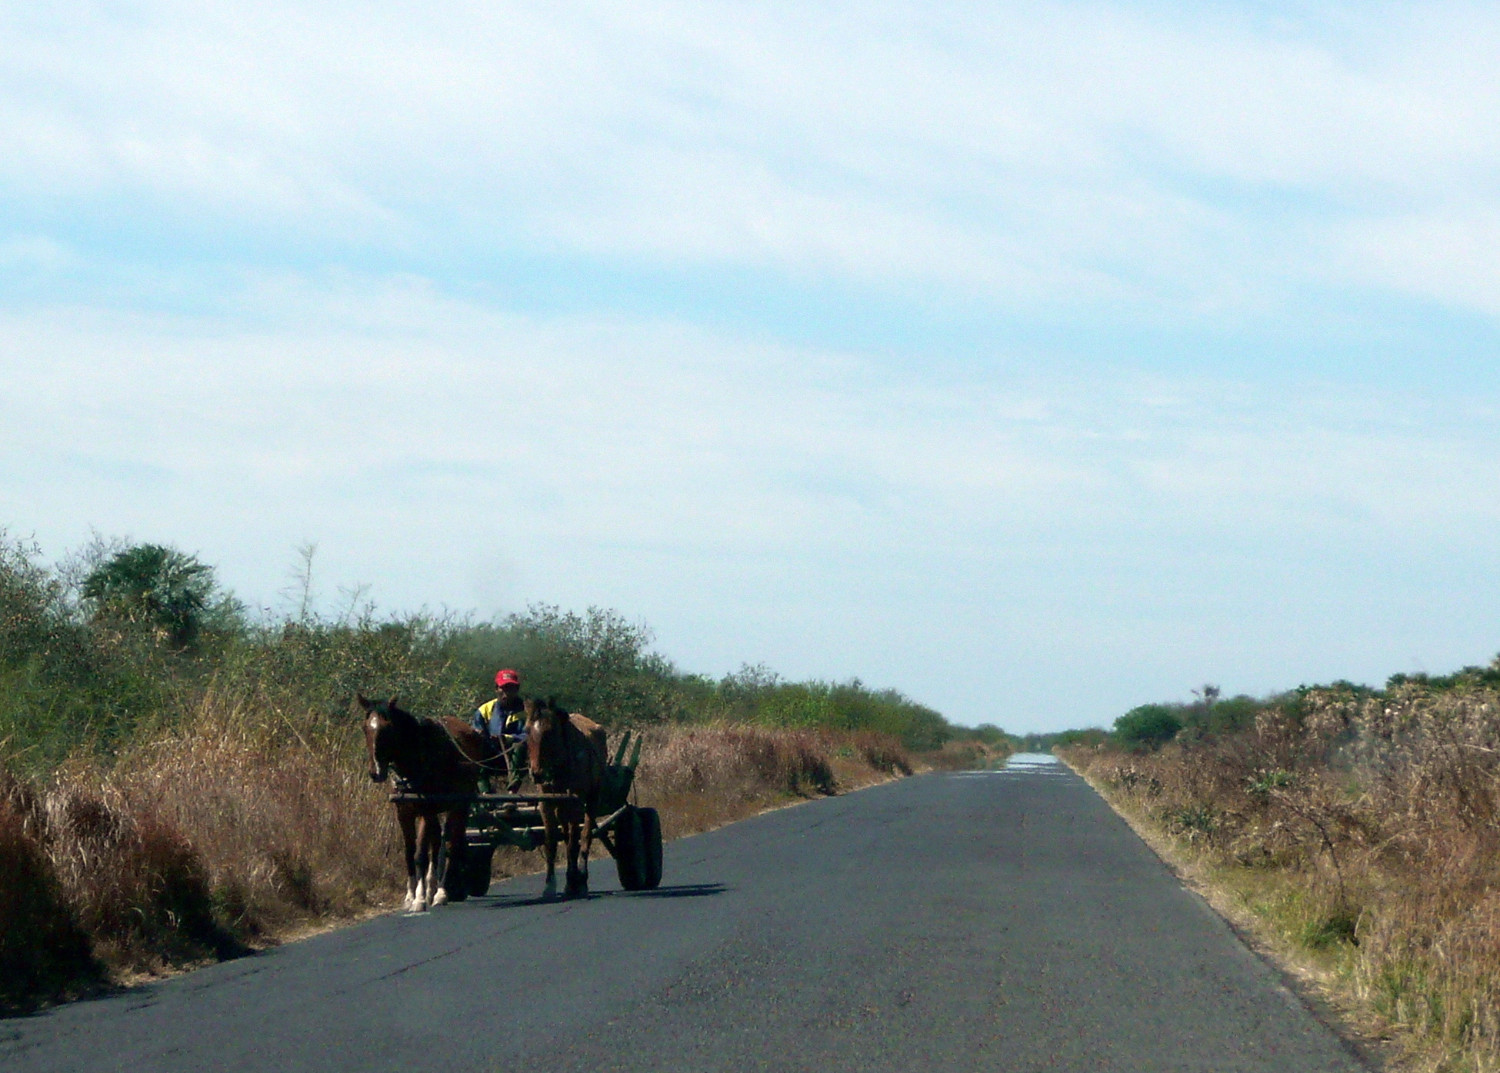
1270 910
1354 836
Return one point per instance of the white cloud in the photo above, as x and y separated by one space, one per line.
1450 255
1040 154
755 501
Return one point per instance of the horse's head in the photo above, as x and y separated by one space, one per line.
546 750
383 720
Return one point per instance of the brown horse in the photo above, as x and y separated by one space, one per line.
567 754
432 757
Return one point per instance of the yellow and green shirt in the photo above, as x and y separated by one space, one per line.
498 720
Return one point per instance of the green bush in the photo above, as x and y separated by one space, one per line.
755 694
51 688
1148 727
1234 714
1084 736
597 662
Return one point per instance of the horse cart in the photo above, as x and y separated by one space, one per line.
632 834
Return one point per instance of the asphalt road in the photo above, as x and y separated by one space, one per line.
1004 921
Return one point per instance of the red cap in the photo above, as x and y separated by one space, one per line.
507 678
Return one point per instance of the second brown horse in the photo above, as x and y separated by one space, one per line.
567 754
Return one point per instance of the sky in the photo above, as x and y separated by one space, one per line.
1038 360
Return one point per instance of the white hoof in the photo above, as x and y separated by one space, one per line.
440 898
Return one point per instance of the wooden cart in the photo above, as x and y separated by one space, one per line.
632 834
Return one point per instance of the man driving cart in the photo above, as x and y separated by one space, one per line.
503 722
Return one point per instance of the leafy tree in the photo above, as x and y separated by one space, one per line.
31 614
1234 714
1076 736
597 662
153 585
1148 727
989 733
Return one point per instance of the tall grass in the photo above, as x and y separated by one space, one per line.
43 950
1364 826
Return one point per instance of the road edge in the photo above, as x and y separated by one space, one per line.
1311 987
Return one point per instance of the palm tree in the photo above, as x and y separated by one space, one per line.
154 585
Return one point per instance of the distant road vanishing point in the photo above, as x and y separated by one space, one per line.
1003 921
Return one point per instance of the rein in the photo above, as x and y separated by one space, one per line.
488 767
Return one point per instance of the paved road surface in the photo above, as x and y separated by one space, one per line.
1004 921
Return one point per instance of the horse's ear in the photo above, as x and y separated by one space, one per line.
359 698
392 701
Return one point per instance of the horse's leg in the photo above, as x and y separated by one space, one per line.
406 818
434 860
454 825
437 884
588 845
419 892
427 838
549 836
577 882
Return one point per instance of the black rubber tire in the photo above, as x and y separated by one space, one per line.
650 848
630 856
480 859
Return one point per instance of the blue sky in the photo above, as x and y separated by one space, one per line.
1039 360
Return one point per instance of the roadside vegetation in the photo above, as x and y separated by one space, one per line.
180 781
1357 830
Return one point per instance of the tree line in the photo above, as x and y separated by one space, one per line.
122 639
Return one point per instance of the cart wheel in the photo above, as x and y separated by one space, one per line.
480 858
650 848
630 856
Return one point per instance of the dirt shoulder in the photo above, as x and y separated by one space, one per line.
1240 903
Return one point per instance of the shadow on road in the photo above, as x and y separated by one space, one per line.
685 890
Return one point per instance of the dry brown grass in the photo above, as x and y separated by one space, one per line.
702 777
43 951
220 837
963 756
1366 831
137 886
290 833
